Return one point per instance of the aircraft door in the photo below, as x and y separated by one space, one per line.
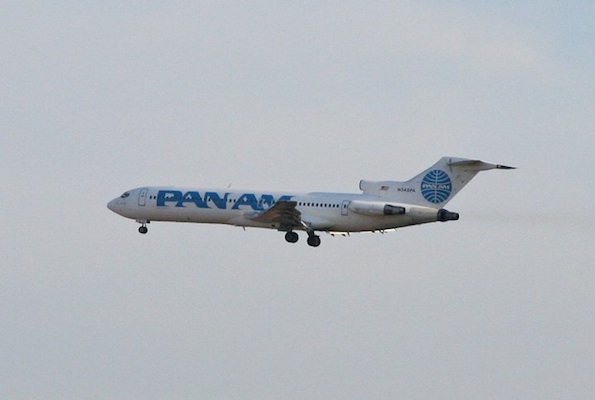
142 197
345 207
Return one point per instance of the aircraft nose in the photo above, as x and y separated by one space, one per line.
115 205
111 205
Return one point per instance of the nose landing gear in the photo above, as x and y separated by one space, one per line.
143 226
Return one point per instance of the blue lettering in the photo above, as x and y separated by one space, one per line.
220 201
216 199
192 197
267 199
247 199
167 196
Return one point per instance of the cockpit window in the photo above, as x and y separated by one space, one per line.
125 195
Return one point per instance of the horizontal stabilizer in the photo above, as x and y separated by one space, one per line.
477 165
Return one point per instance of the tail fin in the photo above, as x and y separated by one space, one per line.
435 186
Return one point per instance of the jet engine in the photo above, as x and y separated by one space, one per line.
375 208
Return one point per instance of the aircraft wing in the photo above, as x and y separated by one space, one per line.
283 213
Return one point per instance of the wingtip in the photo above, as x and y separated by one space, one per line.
504 167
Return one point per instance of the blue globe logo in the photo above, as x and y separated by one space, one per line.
436 186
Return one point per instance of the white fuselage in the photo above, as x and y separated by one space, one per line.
331 212
381 205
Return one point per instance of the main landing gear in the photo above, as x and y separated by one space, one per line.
291 237
313 239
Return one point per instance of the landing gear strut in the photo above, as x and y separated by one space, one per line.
291 237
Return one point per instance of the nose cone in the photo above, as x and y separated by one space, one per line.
115 205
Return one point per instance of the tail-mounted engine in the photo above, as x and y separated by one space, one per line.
375 208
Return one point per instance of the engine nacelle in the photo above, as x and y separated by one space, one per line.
375 208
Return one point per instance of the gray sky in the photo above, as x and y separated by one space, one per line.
100 97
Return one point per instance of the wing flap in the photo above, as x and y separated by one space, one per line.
283 213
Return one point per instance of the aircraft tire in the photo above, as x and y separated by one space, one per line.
291 237
314 240
143 229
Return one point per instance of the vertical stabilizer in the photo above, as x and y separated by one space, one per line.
435 186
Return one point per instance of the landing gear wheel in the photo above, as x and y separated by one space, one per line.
314 240
291 237
143 229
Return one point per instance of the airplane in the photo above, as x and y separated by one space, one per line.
382 205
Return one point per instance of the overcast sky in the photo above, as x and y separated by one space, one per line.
100 97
